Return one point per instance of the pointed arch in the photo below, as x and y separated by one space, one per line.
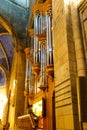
3 71
4 33
10 30
4 23
4 52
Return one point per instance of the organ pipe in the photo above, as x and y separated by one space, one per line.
41 17
43 54
37 26
35 40
43 64
26 78
29 75
49 41
47 33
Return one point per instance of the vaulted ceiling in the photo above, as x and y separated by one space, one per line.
18 14
6 54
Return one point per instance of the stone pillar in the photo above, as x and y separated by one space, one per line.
6 107
17 96
80 36
77 35
65 66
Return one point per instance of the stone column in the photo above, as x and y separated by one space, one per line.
65 67
77 35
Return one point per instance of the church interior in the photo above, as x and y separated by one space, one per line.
43 64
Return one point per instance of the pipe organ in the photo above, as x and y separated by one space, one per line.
39 57
41 66
29 77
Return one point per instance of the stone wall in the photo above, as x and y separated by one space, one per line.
69 62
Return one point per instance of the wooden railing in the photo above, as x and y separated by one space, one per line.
25 121
28 122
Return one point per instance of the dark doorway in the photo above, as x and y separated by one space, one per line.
53 111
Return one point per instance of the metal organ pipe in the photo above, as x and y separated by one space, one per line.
49 39
44 64
47 33
39 25
35 38
44 24
39 48
26 74
43 52
36 52
38 29
40 32
41 63
43 59
41 22
29 76
32 46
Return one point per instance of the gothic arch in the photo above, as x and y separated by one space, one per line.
9 29
6 30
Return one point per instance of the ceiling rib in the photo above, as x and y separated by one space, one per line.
4 52
3 69
4 33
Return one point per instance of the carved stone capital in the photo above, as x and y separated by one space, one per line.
47 8
28 54
50 71
37 9
36 69
31 32
49 11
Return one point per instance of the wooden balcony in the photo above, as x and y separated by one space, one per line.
27 50
36 69
47 6
28 95
30 57
42 7
37 8
31 32
25 122
28 54
43 87
41 37
50 71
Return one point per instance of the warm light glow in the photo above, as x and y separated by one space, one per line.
77 0
74 1
37 108
66 1
13 89
3 101
14 83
